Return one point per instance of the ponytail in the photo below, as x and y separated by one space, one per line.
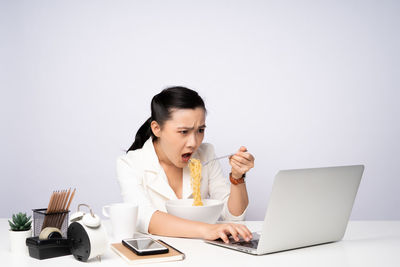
142 135
162 105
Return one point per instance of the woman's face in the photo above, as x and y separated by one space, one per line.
181 135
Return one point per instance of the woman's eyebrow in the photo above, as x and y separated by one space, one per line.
191 128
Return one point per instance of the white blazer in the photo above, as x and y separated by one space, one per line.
144 182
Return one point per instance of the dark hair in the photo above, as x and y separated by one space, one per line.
162 105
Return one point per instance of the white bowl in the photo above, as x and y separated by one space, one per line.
208 213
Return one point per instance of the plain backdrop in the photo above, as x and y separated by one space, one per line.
300 83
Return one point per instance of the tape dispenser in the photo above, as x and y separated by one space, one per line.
87 235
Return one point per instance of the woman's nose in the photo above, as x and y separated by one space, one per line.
192 141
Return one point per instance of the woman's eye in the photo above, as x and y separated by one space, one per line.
184 132
201 130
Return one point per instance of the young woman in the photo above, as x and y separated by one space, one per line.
155 169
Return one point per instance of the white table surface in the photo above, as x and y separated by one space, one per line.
366 243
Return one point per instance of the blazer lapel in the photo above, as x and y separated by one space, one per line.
160 184
155 177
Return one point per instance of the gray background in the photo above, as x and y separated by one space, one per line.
300 83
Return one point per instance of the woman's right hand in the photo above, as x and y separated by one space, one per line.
215 231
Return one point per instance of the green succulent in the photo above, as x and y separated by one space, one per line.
20 222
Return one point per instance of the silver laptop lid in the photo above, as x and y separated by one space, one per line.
309 207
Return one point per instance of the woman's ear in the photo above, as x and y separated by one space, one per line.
156 129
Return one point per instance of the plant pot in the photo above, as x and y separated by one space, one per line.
18 241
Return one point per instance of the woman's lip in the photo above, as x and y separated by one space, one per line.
186 157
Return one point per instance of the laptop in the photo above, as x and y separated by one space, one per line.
307 207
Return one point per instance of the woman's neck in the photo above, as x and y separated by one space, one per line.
174 174
162 158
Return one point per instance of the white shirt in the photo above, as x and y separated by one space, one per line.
144 182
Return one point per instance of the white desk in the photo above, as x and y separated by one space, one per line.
366 243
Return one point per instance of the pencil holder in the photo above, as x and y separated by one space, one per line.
42 219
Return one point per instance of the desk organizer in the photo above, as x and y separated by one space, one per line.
41 220
51 247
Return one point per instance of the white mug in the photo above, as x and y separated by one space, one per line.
123 219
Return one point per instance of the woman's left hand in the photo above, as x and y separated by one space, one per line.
241 162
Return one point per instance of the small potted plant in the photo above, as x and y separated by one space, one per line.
20 229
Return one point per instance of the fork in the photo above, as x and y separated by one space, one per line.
211 160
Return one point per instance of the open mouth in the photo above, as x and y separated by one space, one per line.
186 157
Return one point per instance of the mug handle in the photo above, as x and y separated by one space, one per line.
105 211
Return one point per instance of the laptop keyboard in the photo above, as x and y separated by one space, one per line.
250 244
